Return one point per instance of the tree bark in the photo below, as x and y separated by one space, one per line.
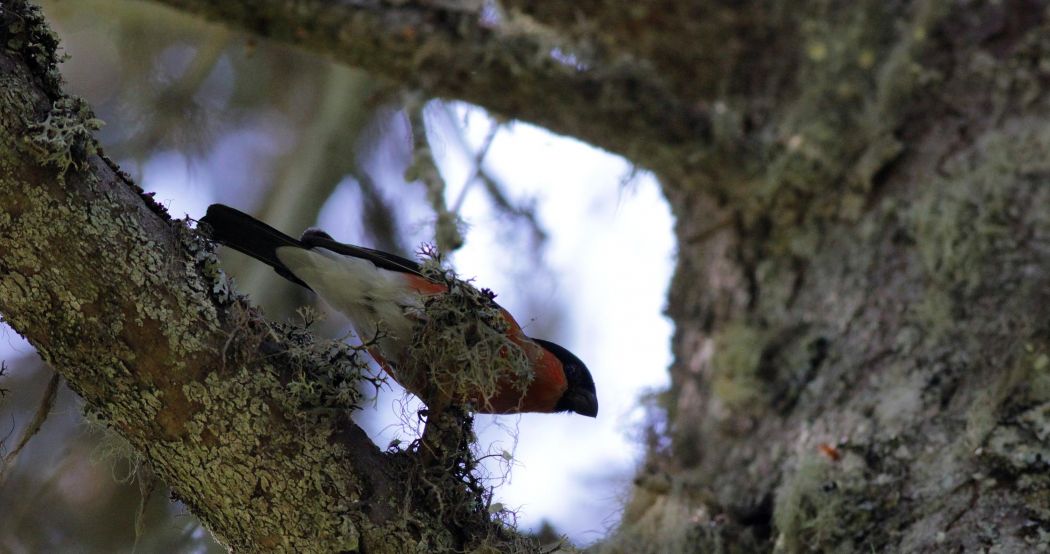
247 421
861 352
455 49
862 194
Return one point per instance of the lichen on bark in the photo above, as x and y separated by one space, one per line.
248 422
863 259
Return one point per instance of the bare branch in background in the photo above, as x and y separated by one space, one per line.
523 211
424 168
456 51
170 110
147 483
478 157
497 195
380 216
321 158
47 400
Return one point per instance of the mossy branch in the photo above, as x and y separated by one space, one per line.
246 421
510 65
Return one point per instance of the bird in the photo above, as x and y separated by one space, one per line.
382 295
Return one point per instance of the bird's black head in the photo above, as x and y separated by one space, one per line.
580 396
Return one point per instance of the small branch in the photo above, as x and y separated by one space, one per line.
147 485
381 220
479 158
494 189
424 168
3 371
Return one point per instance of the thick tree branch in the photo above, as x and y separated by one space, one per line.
246 421
703 50
449 49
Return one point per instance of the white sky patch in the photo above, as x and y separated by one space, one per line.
611 251
12 345
179 186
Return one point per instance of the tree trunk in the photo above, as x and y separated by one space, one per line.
862 345
861 351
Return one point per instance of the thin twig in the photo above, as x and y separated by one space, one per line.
424 168
147 484
3 371
492 187
380 217
42 411
176 103
479 159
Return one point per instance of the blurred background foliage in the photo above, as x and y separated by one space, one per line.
263 127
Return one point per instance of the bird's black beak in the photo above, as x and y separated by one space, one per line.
584 402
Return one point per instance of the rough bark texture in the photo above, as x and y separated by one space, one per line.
862 193
862 354
454 49
247 421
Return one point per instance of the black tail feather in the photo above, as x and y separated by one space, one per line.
250 236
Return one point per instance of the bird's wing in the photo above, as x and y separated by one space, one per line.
315 238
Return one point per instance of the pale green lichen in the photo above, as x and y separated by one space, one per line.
736 365
808 508
303 517
246 421
65 138
965 224
332 385
823 505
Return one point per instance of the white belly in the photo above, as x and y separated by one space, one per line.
375 300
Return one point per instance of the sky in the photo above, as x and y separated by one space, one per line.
602 290
610 251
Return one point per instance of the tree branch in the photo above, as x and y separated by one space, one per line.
697 47
246 421
451 49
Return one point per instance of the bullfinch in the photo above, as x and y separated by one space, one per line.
382 295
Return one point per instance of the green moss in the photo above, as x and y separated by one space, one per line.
809 507
958 227
1009 420
859 71
736 365
1039 377
829 141
966 224
832 506
755 370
